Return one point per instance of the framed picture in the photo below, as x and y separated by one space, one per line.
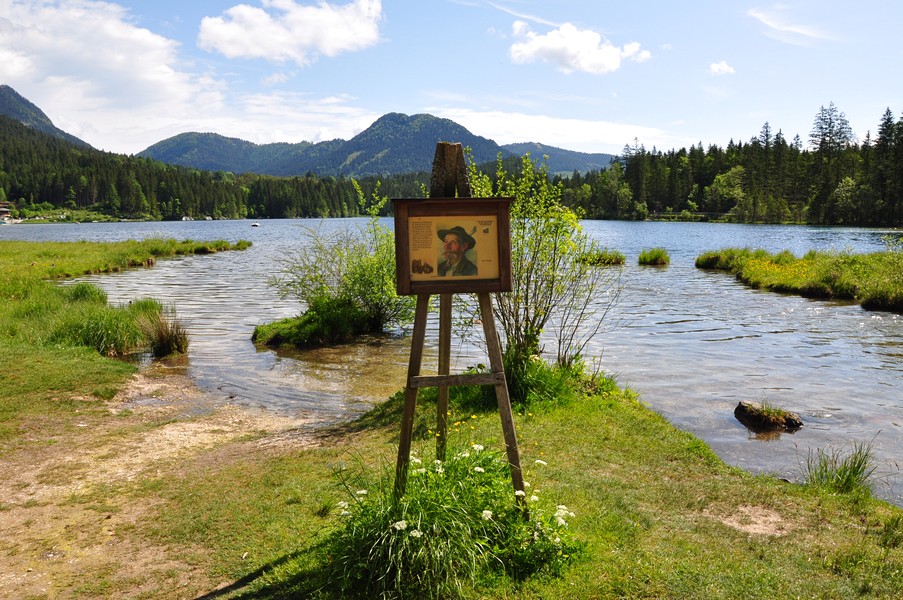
452 245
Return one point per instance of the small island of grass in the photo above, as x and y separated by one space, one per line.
872 280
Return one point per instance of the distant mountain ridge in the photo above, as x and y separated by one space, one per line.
13 105
394 144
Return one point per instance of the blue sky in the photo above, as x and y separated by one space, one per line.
579 74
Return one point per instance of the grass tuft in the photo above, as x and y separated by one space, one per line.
656 257
604 257
841 473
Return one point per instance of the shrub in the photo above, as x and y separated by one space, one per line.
458 523
349 273
555 291
656 257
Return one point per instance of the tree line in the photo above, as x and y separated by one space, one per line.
40 172
836 180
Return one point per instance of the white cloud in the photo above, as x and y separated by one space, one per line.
721 68
123 88
127 72
572 49
574 134
292 31
781 29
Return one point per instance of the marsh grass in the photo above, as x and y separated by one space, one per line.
655 257
53 337
603 257
843 473
165 333
873 279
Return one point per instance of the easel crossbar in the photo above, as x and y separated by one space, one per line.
422 381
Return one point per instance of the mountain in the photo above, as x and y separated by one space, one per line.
562 161
18 108
214 152
394 144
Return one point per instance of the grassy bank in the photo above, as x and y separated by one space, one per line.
54 339
873 280
655 513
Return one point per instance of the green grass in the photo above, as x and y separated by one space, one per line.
872 280
835 471
604 257
53 338
658 514
657 257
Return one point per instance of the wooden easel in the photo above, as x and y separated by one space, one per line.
449 178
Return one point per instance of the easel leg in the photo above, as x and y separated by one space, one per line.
445 310
410 396
501 394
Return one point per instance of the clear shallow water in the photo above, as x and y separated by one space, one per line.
692 343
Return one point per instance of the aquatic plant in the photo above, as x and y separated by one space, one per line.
657 257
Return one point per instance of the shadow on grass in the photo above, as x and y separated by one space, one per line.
300 574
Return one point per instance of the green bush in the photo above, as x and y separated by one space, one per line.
458 523
346 282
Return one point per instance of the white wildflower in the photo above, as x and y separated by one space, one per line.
345 513
361 492
520 493
534 498
416 533
400 525
526 484
437 461
487 515
416 460
464 455
477 447
420 471
561 522
343 504
479 469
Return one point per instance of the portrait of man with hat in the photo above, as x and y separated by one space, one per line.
456 242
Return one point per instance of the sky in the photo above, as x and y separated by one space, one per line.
586 75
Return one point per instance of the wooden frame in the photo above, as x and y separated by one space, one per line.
481 225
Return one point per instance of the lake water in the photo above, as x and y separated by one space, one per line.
692 343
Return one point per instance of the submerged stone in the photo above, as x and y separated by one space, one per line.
759 418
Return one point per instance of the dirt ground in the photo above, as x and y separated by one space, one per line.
53 530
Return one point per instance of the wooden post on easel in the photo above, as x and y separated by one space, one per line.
449 180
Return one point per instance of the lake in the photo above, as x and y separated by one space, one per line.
692 343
